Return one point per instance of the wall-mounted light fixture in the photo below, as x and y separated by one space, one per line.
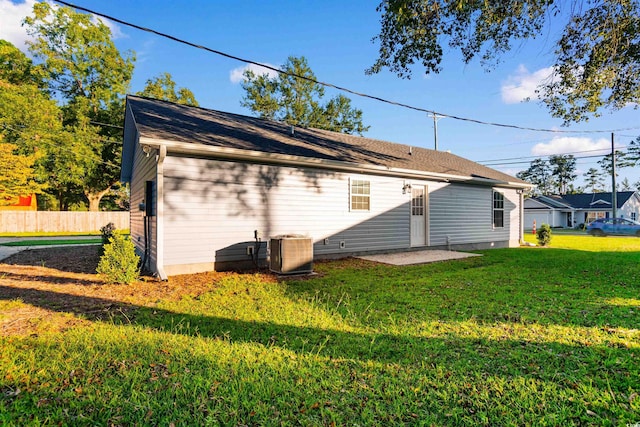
406 187
146 149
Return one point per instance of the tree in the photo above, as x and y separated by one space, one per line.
594 180
597 56
163 87
297 101
17 69
625 185
30 123
621 162
90 76
539 174
17 174
338 116
633 152
563 169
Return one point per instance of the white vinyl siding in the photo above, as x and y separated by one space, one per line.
213 207
463 214
631 208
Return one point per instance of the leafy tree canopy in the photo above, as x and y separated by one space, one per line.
297 101
539 174
30 120
594 180
163 87
16 178
16 68
82 63
563 168
85 70
597 55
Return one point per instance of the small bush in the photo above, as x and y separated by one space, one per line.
108 231
119 262
544 235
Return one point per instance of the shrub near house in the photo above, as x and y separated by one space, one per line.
544 235
119 262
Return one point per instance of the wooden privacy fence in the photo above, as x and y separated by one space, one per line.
46 221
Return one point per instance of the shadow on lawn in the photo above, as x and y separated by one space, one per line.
51 279
499 356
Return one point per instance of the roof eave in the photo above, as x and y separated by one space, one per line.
554 201
290 160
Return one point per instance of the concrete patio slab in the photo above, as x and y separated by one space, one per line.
417 257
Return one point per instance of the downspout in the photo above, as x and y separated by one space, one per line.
521 214
162 154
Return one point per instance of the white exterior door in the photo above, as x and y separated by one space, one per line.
419 215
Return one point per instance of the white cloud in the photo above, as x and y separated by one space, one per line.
11 16
522 85
116 31
569 144
236 75
11 28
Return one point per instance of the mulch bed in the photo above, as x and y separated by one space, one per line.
51 281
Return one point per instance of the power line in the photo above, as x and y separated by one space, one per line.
340 88
549 155
526 161
106 124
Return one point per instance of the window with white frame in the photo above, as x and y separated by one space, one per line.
592 216
498 209
360 195
634 216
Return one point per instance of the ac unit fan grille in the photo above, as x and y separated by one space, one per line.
290 255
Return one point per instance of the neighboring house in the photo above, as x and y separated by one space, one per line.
573 209
208 189
24 203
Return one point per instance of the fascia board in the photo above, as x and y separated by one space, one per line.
539 203
289 160
556 202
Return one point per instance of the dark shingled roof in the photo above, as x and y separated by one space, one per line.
173 122
589 200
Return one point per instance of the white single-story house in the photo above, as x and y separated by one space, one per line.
209 189
570 210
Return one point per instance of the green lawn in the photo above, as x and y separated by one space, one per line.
47 234
525 336
53 242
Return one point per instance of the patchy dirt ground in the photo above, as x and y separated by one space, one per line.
57 288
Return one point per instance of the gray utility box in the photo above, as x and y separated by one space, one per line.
291 254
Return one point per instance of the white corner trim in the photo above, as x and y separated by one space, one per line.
162 154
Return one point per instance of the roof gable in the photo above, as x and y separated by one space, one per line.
165 121
535 203
596 200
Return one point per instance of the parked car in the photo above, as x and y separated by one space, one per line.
614 226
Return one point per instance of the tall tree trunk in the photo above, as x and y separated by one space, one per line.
94 198
61 199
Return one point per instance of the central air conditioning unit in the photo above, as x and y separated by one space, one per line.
291 254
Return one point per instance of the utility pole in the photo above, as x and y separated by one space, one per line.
614 193
435 129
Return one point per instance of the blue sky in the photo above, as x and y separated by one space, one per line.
335 37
